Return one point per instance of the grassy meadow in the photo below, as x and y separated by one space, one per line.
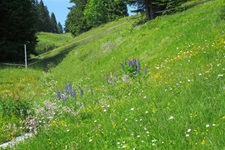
123 85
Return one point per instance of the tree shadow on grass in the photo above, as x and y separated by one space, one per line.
184 8
50 62
142 18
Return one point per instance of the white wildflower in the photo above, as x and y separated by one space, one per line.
171 118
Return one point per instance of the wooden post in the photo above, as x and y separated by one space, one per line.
25 53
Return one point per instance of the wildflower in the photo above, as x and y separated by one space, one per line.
154 140
104 110
189 130
124 146
156 67
171 118
187 135
138 136
90 140
132 109
213 125
145 97
138 67
64 98
118 143
73 93
146 112
126 119
220 75
199 74
207 125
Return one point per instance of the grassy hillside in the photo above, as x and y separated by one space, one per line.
50 41
175 102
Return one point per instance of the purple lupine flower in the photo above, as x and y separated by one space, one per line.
73 93
67 89
134 62
81 91
130 62
70 87
64 98
138 67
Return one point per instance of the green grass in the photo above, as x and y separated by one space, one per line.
50 41
178 104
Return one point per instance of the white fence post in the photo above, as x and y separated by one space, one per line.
25 53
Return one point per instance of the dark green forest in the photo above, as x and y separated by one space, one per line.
21 20
19 23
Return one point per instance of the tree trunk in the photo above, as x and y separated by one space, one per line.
149 10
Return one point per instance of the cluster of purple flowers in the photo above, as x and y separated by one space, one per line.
68 92
132 66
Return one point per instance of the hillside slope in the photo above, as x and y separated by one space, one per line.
175 102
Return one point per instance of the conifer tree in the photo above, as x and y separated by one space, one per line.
76 22
17 27
44 23
54 27
60 28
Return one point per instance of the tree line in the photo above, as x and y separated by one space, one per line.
19 23
46 22
86 14
21 20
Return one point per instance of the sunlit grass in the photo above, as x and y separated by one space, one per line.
177 103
